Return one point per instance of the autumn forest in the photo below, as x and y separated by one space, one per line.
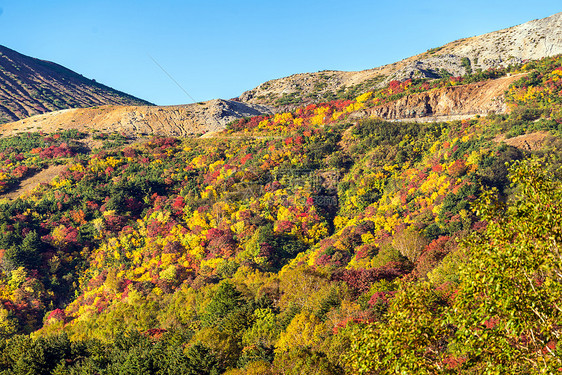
310 241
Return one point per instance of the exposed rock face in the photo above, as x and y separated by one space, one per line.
532 40
181 120
30 86
479 98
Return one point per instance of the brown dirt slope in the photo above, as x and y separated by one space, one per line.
529 142
180 120
480 98
30 86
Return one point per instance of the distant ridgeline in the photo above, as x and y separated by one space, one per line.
30 86
532 40
309 241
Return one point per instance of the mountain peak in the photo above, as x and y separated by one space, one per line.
30 86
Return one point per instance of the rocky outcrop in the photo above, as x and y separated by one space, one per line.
480 98
529 41
179 120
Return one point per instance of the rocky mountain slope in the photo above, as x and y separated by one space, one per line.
179 120
532 40
447 103
29 86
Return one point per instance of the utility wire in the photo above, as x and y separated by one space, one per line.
172 78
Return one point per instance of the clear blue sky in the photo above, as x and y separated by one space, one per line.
221 48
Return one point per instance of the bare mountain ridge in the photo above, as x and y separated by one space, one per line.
30 86
532 40
479 98
529 41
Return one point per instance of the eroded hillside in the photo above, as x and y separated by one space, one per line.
181 120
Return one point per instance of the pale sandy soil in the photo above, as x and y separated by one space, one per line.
26 185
